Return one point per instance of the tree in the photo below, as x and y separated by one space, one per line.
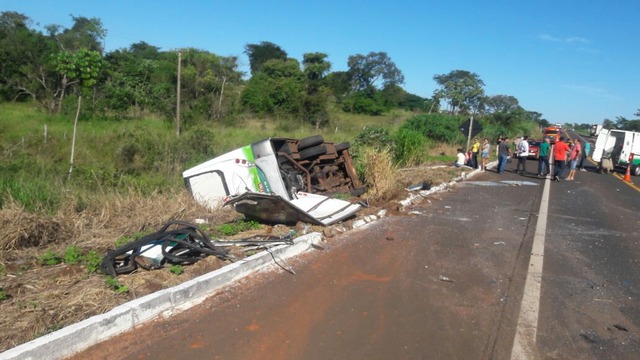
462 90
278 89
608 124
26 69
315 68
83 67
500 103
259 54
84 34
373 72
339 83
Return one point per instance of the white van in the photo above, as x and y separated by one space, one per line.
618 145
279 180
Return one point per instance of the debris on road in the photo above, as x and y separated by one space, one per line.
445 279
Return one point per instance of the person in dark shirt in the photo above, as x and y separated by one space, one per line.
503 154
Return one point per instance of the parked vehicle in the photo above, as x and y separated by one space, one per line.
618 146
595 130
280 180
534 149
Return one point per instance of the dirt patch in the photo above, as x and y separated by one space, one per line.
36 299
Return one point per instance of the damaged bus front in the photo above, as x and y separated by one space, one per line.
279 180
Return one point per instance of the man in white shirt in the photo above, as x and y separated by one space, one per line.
523 152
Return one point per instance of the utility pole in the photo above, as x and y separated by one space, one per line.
178 94
469 133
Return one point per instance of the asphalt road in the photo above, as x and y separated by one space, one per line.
444 281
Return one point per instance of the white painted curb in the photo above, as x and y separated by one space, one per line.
77 337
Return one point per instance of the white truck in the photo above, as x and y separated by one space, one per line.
618 146
595 130
280 181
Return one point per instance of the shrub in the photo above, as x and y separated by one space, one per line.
176 269
113 284
92 260
410 147
440 127
50 258
72 255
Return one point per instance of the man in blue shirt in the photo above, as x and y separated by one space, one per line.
585 153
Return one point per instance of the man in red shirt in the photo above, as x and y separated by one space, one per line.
560 150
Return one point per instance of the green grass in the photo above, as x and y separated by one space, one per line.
237 227
114 285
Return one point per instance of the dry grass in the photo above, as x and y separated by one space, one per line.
45 298
380 175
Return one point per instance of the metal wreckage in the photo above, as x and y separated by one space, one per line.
273 181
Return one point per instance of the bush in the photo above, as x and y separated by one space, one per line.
439 127
410 147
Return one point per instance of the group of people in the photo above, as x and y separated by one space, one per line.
470 158
563 154
573 155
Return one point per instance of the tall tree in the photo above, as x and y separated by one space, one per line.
463 90
85 33
278 89
259 54
373 72
500 103
315 68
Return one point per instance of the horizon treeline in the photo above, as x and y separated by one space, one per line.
53 68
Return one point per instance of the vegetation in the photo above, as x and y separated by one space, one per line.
236 227
113 284
176 269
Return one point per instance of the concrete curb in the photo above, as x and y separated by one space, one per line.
443 187
77 337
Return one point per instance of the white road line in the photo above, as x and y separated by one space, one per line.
524 343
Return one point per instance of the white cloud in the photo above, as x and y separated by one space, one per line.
568 40
589 90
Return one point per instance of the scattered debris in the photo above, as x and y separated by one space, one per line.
425 185
177 243
445 279
499 243
588 337
620 327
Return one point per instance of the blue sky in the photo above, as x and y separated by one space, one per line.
573 61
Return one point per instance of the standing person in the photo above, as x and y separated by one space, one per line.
523 152
585 153
543 158
560 150
475 148
574 156
485 154
503 154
